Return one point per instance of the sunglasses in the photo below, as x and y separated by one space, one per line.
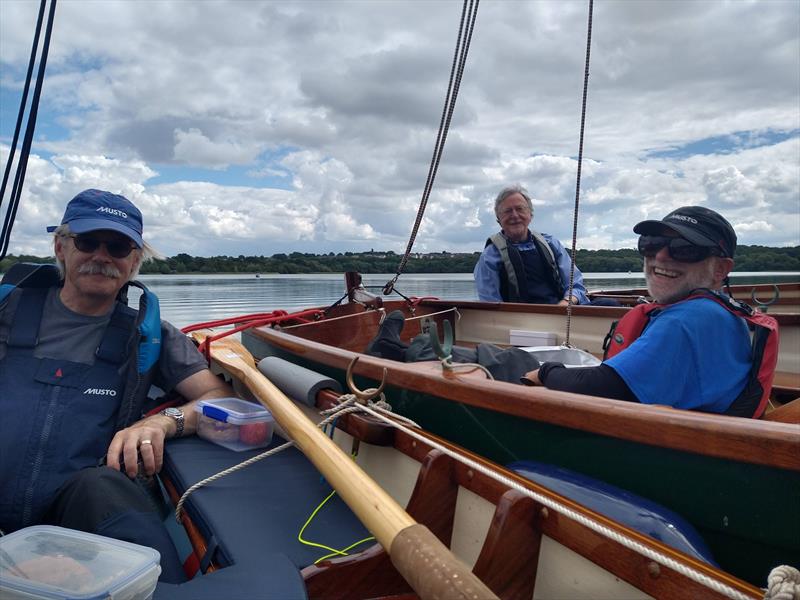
679 249
89 244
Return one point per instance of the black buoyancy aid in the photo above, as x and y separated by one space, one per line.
752 401
60 416
528 277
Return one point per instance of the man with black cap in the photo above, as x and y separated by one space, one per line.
76 364
691 352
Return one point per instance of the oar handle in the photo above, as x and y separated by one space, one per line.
431 569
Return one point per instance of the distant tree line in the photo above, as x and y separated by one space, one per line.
748 258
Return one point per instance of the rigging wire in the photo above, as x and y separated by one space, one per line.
578 177
469 12
22 164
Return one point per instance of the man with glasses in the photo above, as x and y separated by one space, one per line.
690 352
520 265
76 364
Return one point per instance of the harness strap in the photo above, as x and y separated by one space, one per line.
113 346
25 325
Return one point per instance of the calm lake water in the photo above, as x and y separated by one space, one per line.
187 299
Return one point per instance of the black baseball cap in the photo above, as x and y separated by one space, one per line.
698 224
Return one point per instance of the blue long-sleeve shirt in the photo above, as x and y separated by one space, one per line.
487 272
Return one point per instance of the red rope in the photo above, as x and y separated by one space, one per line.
416 301
247 322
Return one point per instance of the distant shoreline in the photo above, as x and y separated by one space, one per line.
627 260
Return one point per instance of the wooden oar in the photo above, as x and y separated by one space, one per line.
419 556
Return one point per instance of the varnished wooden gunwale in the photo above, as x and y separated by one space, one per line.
746 440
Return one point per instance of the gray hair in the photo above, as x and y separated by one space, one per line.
144 254
510 191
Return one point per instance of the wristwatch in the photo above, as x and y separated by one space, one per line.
176 414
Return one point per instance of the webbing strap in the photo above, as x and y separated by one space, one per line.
113 346
25 326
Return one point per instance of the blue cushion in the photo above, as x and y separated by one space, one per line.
264 577
641 514
261 508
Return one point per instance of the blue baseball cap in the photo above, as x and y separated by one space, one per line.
92 210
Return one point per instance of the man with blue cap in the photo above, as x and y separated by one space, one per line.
76 364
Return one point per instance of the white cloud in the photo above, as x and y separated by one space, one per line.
196 107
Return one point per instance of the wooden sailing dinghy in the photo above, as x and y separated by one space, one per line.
519 538
736 480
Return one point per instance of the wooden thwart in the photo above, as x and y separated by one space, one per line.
424 561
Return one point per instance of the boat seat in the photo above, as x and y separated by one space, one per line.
261 577
260 509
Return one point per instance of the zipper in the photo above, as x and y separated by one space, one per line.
27 505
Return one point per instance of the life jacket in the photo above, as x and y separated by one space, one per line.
752 400
59 416
532 278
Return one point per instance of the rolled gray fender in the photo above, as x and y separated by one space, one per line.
299 383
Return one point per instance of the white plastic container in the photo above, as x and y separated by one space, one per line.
522 337
48 563
571 357
234 423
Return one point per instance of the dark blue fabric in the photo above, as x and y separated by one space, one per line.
58 418
261 508
641 514
263 576
539 285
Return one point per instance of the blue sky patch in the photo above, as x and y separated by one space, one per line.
726 144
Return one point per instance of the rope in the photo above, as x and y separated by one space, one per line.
783 583
22 165
469 12
624 540
221 474
448 365
244 464
331 551
578 178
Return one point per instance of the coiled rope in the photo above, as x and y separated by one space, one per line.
578 178
469 12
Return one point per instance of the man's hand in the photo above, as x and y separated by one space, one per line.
531 378
144 438
565 302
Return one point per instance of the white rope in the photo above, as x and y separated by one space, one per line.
228 471
783 583
244 464
626 541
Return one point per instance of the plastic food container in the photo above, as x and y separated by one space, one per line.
571 357
48 562
234 423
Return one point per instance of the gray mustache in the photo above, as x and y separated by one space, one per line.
93 268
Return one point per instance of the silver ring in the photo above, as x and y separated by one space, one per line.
143 442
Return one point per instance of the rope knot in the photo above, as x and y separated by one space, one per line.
783 583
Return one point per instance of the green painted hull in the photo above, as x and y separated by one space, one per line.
749 515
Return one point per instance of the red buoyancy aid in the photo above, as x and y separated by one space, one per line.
752 401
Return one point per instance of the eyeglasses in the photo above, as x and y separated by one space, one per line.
116 248
522 210
679 249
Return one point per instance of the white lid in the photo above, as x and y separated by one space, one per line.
50 562
233 410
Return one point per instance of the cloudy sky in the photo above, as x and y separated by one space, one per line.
261 127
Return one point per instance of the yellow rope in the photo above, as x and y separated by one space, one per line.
331 551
